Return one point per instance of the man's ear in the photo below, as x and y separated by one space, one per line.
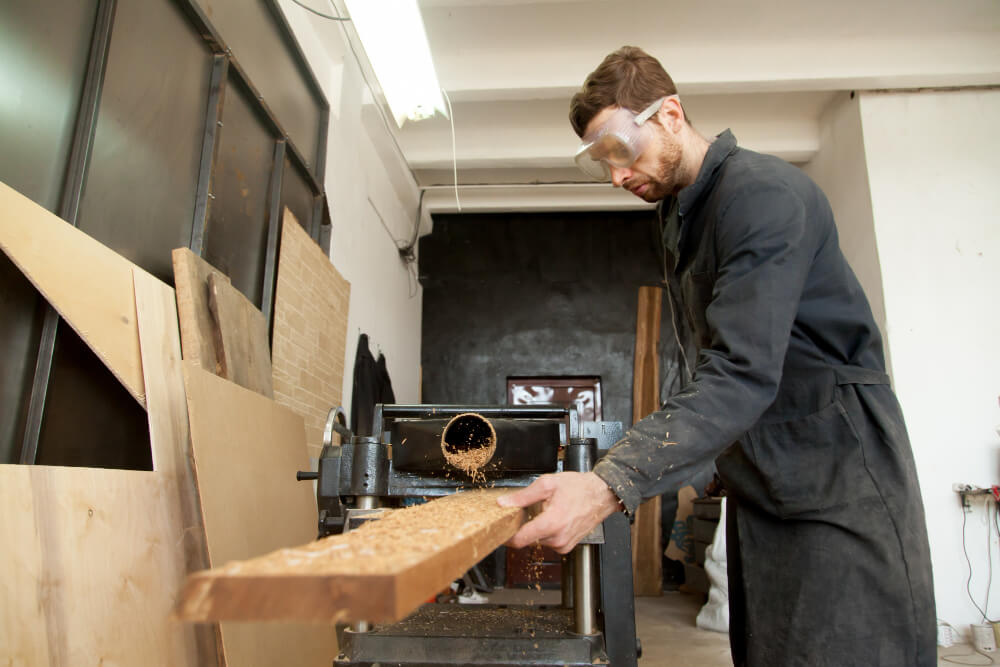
671 114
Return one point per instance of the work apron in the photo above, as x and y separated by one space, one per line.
827 547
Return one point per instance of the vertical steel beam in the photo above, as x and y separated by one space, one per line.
209 151
69 209
273 235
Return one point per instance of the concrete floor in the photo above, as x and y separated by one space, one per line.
665 626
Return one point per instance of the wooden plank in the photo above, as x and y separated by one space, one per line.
647 552
310 331
247 450
240 334
91 568
170 437
191 281
87 283
380 572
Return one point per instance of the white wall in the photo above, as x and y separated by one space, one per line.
366 180
935 193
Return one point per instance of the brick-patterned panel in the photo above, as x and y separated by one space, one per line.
310 331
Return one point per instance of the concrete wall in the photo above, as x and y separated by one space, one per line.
935 195
373 200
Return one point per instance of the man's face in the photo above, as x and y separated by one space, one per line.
655 173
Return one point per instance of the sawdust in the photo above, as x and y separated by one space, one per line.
468 442
403 538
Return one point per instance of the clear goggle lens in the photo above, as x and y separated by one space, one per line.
618 142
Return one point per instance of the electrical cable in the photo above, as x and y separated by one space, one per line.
319 13
989 559
968 581
454 151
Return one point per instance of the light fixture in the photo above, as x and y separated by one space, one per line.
393 36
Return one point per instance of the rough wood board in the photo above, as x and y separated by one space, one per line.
247 450
380 572
240 334
170 437
310 331
647 553
191 281
91 568
87 283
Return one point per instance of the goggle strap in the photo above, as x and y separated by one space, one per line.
649 111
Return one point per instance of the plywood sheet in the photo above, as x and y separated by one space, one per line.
380 572
170 437
310 331
247 450
240 334
87 283
191 281
91 568
647 552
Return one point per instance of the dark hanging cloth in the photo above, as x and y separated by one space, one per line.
366 389
385 394
371 387
829 563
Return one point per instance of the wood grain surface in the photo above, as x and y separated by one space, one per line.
247 449
91 568
240 334
191 282
647 553
87 283
380 572
170 438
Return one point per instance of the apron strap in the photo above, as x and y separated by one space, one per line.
859 375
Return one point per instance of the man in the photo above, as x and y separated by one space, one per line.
828 556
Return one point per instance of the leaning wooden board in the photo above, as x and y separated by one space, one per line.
247 449
87 283
191 275
240 334
380 572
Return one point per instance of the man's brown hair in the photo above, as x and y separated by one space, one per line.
628 78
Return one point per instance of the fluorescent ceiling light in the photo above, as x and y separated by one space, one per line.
392 34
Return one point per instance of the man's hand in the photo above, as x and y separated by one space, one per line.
572 504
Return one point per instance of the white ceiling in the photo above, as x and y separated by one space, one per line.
766 70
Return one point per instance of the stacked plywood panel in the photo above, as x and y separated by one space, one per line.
310 331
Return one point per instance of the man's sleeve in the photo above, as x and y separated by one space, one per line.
764 248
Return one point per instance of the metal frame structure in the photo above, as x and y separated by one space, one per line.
224 64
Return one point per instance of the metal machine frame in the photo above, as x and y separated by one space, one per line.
594 625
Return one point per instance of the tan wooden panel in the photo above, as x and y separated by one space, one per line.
91 568
170 437
310 331
191 281
647 553
240 334
380 572
247 449
87 283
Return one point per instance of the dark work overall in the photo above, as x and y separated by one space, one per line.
828 556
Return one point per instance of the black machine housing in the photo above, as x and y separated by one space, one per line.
404 459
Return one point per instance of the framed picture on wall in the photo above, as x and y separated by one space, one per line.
568 391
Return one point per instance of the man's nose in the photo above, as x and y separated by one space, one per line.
618 175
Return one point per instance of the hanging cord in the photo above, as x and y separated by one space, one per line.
319 13
454 152
968 580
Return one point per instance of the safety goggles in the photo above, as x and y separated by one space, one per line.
618 142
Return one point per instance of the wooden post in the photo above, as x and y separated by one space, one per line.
647 554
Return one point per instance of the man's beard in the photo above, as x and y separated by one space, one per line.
667 177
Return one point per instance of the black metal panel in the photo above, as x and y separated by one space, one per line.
43 60
533 294
236 232
90 418
21 309
617 610
297 195
268 55
140 192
